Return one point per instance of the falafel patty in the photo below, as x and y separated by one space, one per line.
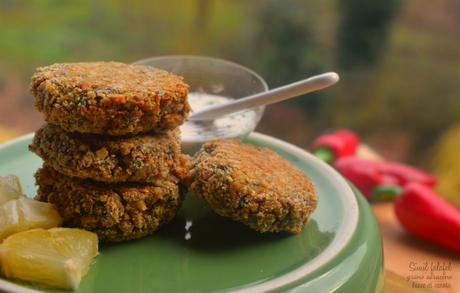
110 97
115 212
253 185
140 158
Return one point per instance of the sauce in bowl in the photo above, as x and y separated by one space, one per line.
236 125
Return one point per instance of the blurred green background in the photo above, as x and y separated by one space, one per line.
399 60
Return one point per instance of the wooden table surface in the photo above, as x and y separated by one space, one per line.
408 259
403 253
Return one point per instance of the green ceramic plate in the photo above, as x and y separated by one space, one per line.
339 249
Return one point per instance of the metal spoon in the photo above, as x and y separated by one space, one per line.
275 95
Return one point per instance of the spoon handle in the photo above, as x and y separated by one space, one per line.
298 88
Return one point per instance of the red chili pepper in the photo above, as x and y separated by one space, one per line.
336 144
406 174
422 212
366 175
379 180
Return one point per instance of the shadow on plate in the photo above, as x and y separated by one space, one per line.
198 227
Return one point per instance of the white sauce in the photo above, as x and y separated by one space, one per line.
231 126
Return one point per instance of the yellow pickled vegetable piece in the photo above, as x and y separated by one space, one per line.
11 181
58 257
10 188
24 213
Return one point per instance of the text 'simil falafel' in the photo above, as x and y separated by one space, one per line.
116 212
110 97
140 158
253 185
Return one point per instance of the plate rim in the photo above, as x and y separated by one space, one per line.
344 234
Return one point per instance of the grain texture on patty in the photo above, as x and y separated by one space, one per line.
140 158
252 185
115 212
110 97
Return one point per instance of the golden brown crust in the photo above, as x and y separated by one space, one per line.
110 97
140 158
115 212
253 185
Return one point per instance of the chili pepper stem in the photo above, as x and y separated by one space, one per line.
324 154
386 192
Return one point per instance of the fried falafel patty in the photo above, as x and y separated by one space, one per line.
140 158
115 212
252 185
110 97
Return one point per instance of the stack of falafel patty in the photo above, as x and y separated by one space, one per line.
111 147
